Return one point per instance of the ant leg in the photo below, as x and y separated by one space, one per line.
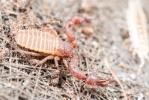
56 61
97 81
44 60
71 68
40 62
35 61
91 80
69 31
48 58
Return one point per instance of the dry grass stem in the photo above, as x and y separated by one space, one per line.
116 78
137 26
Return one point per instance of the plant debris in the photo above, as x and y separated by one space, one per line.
21 80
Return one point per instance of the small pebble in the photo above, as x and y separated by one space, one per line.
88 31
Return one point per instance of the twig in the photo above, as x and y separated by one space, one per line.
116 78
36 84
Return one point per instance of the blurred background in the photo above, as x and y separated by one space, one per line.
104 50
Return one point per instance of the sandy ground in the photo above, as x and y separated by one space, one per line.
108 47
